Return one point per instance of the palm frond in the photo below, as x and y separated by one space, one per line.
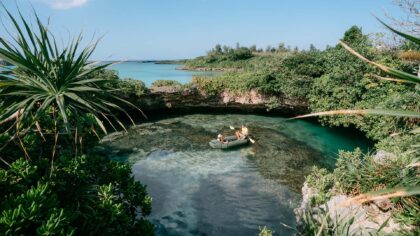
411 38
382 112
404 76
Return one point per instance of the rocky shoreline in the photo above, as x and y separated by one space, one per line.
169 99
214 69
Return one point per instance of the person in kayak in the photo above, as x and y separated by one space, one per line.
221 138
242 134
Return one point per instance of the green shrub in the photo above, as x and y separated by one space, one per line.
130 86
358 173
307 63
240 54
163 83
85 195
323 181
232 82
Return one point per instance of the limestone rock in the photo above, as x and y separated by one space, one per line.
384 204
307 194
367 217
381 157
162 99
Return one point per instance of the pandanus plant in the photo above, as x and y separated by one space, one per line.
53 81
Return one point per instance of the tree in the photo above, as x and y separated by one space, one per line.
355 36
282 48
218 49
312 48
253 48
241 54
225 49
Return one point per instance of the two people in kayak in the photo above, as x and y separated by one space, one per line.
240 134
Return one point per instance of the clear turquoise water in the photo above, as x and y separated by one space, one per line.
198 190
150 72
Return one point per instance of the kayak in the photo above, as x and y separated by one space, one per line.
231 142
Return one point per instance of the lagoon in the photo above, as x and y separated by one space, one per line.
149 72
198 190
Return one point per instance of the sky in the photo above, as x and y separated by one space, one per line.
177 29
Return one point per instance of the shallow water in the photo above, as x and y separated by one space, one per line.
150 72
197 190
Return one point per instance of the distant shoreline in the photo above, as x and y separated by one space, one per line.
180 61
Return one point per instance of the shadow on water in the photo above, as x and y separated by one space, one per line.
197 190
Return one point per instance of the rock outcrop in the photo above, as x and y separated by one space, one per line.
367 217
216 69
167 99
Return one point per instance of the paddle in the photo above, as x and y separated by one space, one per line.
250 139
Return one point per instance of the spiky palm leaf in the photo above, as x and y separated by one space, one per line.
50 79
382 112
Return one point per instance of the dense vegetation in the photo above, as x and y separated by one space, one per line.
84 195
53 104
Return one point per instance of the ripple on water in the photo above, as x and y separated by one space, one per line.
197 190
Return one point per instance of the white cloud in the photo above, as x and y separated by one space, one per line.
65 4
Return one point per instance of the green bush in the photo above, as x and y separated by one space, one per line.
119 86
240 54
358 173
130 86
163 83
232 82
85 195
323 181
307 63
